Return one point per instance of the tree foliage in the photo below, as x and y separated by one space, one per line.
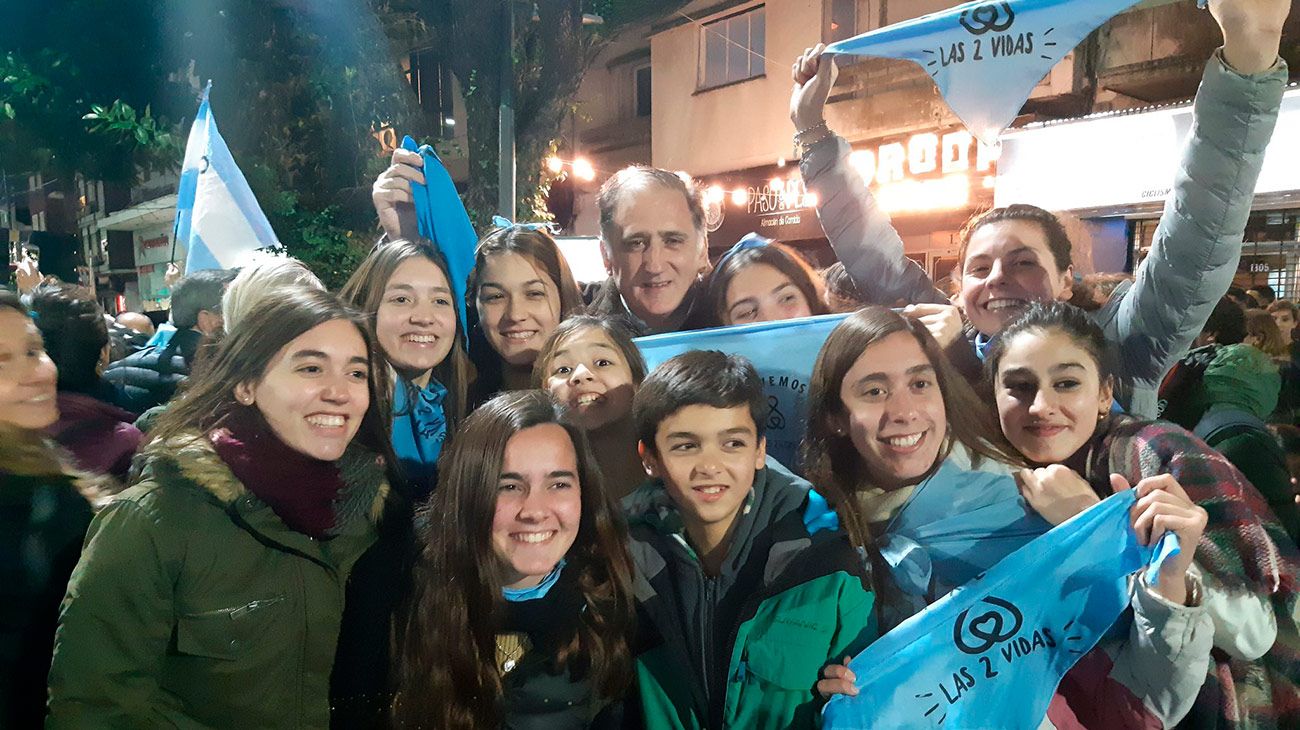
551 52
299 88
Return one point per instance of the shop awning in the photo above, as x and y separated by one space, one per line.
1123 163
143 215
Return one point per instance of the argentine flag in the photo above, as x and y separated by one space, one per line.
986 57
218 220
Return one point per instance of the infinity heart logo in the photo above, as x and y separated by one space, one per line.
994 17
985 630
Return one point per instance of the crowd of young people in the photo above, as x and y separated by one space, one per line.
359 510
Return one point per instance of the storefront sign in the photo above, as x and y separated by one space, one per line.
924 173
1124 161
153 251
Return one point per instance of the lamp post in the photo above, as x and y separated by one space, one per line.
506 117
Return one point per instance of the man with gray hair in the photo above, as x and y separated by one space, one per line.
655 248
652 239
149 377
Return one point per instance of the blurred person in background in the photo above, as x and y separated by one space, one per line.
150 377
91 425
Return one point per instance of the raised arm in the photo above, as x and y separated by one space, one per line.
1197 244
859 230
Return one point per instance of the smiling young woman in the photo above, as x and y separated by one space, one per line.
404 287
45 506
522 288
535 630
226 563
1053 377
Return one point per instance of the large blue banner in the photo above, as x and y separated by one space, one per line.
986 57
991 653
783 353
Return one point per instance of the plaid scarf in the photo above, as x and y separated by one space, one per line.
1244 547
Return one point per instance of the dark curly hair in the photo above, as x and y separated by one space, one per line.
75 333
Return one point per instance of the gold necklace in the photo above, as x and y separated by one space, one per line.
511 647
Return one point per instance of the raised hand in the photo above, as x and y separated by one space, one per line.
28 274
392 196
943 321
1252 31
813 78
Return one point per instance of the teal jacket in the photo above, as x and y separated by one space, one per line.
744 649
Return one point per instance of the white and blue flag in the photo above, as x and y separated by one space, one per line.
986 57
991 653
218 220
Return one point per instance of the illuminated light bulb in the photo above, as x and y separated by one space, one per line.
583 169
555 165
780 162
714 194
739 196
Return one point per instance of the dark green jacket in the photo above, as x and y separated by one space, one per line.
744 649
1259 457
194 606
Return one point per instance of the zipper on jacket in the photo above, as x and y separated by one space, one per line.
708 603
251 606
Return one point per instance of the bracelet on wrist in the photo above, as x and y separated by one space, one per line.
802 134
803 146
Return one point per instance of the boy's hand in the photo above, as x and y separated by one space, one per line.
391 192
1055 492
837 680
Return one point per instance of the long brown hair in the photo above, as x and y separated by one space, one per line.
780 257
537 246
445 641
365 290
244 355
832 462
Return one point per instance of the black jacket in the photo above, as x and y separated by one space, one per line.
149 377
604 299
43 520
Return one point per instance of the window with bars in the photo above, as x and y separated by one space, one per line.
732 48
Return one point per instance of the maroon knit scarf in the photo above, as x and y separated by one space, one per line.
299 489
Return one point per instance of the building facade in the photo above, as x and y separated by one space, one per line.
719 72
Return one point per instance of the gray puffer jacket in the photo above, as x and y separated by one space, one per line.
1150 322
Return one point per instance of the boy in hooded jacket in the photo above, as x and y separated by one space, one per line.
745 585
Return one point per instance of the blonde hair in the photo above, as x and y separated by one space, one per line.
255 284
